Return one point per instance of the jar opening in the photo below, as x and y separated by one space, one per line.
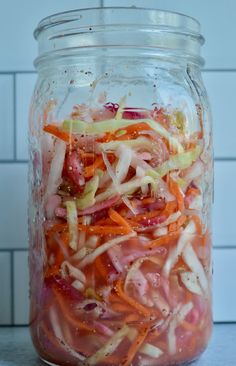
120 26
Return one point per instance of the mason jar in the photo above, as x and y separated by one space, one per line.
120 190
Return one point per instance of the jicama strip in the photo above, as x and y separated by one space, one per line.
116 181
190 281
67 269
122 167
195 265
175 252
147 348
90 258
76 126
61 340
137 343
73 223
126 188
54 177
178 316
109 347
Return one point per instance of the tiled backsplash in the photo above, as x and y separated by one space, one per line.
16 85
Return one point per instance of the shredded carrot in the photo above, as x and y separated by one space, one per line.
163 240
76 323
137 343
89 170
117 218
186 325
178 223
101 267
105 230
170 208
54 130
121 307
134 128
147 215
131 318
141 309
198 224
176 191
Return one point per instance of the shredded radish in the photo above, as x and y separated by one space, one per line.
90 258
53 202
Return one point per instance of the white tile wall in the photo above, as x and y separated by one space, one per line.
224 228
6 117
217 18
221 87
224 300
5 288
13 196
15 91
18 20
21 291
24 90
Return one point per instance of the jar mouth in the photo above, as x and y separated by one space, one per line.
119 26
150 17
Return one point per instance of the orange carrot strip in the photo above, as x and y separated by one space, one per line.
178 223
117 218
121 307
163 240
105 230
76 323
147 215
130 318
170 208
137 343
101 268
141 309
89 170
176 191
54 130
198 224
134 128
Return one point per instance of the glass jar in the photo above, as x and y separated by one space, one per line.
121 190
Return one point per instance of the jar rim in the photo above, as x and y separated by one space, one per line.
153 18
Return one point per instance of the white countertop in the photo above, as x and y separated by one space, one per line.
16 348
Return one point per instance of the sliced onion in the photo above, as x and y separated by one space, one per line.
151 351
160 303
161 231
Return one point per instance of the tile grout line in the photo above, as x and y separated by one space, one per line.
12 288
14 118
102 3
